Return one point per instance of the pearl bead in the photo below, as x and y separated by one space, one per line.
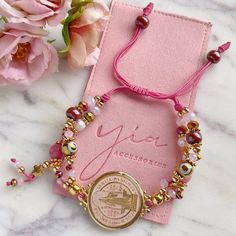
164 183
182 121
96 111
193 157
142 22
68 133
91 102
80 125
190 115
72 173
181 142
172 193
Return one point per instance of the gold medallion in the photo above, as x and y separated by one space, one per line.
115 200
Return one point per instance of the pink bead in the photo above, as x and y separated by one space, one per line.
68 167
59 181
13 160
8 183
149 203
55 151
20 182
193 157
164 183
172 193
72 173
68 133
81 196
59 174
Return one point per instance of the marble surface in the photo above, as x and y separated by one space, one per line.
31 119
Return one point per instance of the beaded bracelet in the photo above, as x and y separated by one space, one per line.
115 199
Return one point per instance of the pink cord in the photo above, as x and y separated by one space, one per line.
185 88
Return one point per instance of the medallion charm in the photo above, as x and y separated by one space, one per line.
115 200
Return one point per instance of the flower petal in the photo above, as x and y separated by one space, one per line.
77 53
93 57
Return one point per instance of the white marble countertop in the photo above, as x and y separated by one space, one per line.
31 119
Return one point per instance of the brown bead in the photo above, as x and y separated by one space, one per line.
142 22
214 56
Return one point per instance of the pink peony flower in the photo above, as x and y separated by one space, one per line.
24 56
85 33
35 12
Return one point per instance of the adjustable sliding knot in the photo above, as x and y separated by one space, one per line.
105 97
139 90
215 55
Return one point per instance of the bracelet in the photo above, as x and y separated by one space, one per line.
115 200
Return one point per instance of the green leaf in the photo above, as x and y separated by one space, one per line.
74 13
65 30
80 3
51 41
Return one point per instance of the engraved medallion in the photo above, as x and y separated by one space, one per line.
115 200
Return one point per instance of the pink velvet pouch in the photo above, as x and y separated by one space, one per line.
135 134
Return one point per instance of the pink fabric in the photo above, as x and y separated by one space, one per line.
136 134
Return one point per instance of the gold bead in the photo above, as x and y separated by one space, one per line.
158 199
38 170
162 190
179 195
56 168
74 189
199 157
21 169
71 180
46 164
66 185
197 149
13 182
167 197
184 111
99 101
70 161
82 106
193 125
89 116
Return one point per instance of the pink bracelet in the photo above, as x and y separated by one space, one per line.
115 199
